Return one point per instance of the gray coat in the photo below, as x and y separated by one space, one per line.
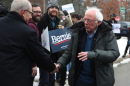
64 20
104 53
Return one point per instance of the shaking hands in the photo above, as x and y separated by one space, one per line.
56 69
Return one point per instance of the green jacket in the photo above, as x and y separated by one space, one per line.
105 52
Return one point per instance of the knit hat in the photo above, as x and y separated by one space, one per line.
113 15
53 4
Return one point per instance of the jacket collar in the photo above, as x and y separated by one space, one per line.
16 16
48 17
103 27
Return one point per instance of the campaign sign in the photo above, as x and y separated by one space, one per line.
116 28
45 39
59 39
68 7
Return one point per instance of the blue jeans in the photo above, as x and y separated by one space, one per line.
68 66
82 83
45 77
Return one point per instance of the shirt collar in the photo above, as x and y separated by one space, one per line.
53 19
92 33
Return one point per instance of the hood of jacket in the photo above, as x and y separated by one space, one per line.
104 26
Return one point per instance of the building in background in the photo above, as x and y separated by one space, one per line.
107 6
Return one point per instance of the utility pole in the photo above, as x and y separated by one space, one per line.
44 6
120 8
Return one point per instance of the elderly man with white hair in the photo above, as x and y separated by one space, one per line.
19 47
92 51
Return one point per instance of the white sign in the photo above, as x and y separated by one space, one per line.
116 28
45 39
68 7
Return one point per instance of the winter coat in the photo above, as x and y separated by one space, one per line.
19 47
104 52
64 20
32 24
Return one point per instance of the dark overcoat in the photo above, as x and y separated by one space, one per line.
19 47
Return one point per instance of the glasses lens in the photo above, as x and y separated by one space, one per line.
37 12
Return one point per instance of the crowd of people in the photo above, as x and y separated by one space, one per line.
91 51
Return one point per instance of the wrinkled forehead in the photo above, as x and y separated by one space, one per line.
91 14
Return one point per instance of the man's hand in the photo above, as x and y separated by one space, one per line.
34 71
62 27
56 69
83 56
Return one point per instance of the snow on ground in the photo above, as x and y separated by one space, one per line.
122 44
125 61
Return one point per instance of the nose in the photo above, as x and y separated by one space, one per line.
30 16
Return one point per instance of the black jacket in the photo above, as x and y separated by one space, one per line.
19 47
111 21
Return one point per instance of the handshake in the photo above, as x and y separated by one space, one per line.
56 69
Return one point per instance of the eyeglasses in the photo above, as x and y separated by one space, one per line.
29 12
89 21
37 12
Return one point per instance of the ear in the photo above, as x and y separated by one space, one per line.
22 13
98 23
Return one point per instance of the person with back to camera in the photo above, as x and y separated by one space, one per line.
19 47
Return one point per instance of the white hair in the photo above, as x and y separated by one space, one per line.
19 5
99 16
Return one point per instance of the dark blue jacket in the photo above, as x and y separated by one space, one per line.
19 47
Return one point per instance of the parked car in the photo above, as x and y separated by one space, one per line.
124 31
128 24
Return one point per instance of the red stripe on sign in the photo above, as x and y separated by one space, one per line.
62 42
